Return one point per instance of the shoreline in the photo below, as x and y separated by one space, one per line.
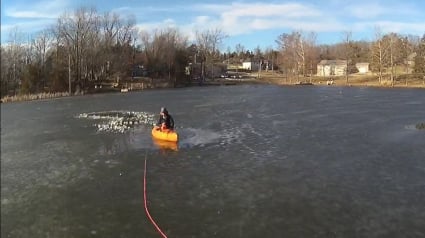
340 81
33 97
267 79
354 84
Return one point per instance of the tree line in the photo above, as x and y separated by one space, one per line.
86 47
299 53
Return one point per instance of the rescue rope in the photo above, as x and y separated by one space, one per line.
146 205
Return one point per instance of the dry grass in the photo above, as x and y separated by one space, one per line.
367 80
30 97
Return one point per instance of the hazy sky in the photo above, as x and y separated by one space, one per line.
251 23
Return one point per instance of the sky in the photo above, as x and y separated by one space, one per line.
250 23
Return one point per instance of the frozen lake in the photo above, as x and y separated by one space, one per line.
253 161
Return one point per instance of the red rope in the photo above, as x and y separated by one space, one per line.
146 205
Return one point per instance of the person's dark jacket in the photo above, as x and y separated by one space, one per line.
168 120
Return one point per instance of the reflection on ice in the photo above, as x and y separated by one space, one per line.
119 121
166 145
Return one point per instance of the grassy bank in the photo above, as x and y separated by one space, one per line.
367 80
30 97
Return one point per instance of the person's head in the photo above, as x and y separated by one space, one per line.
163 111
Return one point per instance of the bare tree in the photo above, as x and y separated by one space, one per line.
297 49
239 49
407 45
420 58
300 50
126 32
17 58
347 41
110 28
4 71
110 24
379 52
209 42
42 43
387 53
155 50
287 52
118 44
312 52
162 50
257 52
75 33
239 55
270 56
394 52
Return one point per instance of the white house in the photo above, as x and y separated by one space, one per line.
362 67
251 65
331 67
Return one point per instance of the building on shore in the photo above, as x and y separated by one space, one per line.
331 67
363 68
252 65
